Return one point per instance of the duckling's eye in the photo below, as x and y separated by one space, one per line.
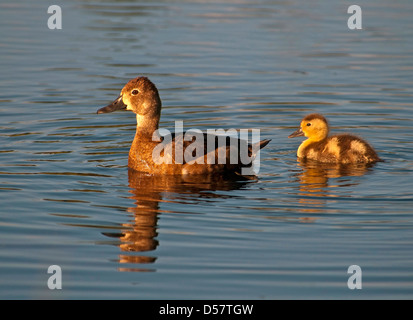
308 124
134 92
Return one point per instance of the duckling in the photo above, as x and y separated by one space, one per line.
141 96
339 148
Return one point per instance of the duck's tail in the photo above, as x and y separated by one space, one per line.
253 148
263 143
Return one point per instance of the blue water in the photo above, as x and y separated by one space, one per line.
67 197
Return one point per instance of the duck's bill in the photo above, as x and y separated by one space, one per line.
298 133
114 106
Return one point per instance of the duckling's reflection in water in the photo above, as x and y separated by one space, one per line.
315 182
149 191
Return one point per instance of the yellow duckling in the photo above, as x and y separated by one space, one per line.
340 148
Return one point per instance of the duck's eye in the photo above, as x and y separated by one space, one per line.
308 124
134 92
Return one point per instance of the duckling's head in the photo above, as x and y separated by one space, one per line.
314 126
139 95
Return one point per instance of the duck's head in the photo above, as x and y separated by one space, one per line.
314 126
139 95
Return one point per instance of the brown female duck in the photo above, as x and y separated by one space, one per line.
141 96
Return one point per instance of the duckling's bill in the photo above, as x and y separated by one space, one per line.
118 104
298 133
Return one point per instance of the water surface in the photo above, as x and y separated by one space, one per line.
68 199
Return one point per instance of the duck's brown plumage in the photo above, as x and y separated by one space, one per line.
141 96
339 148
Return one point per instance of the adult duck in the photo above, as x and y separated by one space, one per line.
146 154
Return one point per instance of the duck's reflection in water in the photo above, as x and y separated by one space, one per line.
317 181
139 235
